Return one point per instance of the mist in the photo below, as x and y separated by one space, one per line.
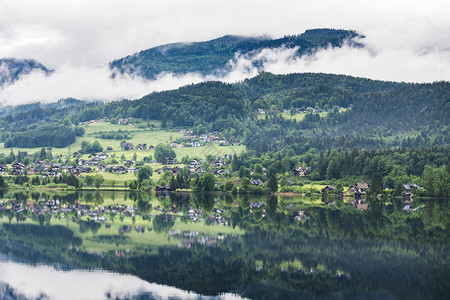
96 83
405 41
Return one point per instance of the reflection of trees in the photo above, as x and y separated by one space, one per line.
204 200
86 226
162 224
272 204
399 244
98 199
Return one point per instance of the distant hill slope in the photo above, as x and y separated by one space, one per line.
212 57
383 114
12 68
60 104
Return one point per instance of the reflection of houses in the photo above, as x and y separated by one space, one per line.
407 196
359 204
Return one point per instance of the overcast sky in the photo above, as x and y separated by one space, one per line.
405 40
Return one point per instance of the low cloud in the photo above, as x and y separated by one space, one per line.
96 83
385 64
86 83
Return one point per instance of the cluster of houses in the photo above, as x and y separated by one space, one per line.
190 139
130 146
300 110
360 189
216 163
296 110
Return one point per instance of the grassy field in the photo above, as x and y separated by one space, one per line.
139 136
300 117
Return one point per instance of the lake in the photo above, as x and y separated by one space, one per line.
122 245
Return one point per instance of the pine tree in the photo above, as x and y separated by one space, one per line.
272 184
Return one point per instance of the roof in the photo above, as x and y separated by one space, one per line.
362 186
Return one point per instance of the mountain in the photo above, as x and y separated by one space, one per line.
11 69
213 57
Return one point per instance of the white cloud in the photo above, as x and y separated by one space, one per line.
406 40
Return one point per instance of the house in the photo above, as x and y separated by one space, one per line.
109 148
359 188
170 160
261 111
200 170
300 171
117 169
328 189
257 182
290 181
102 156
122 121
140 147
82 162
151 147
3 168
175 145
17 169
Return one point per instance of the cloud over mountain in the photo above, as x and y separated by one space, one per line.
405 40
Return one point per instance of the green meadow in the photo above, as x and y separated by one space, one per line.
149 136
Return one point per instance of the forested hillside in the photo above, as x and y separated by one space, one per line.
11 69
381 114
212 57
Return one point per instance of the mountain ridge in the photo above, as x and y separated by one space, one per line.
11 69
212 57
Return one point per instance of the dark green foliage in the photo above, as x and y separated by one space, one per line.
87 147
144 173
114 135
162 152
79 131
272 184
376 185
207 182
98 180
35 180
56 136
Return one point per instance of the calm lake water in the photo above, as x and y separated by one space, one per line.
117 245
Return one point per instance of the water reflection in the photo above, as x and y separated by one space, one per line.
20 281
253 246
